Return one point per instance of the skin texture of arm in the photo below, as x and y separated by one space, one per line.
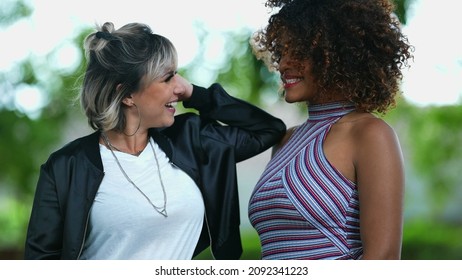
380 178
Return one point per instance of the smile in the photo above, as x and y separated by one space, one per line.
290 82
171 104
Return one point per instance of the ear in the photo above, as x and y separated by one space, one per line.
127 100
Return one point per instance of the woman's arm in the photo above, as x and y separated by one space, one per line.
44 234
248 128
380 178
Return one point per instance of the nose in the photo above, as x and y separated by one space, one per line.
284 63
178 87
182 87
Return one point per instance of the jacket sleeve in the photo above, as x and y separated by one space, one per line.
44 234
248 128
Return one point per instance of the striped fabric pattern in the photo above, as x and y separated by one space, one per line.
302 207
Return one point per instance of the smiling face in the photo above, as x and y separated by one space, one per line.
300 84
156 102
297 79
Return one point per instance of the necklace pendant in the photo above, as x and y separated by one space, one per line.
163 212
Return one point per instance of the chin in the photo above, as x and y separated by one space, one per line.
169 123
291 99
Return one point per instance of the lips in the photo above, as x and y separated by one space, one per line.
171 106
290 81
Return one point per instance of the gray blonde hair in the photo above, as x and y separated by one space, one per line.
119 63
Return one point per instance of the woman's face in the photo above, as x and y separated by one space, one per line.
156 102
297 80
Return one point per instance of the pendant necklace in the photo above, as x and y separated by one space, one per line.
161 210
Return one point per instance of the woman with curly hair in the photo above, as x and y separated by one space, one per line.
334 186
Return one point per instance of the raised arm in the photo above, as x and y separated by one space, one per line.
250 129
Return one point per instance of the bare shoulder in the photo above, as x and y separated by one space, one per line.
371 134
369 127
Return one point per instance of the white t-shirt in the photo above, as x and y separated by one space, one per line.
123 225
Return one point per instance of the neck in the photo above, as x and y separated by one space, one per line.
133 145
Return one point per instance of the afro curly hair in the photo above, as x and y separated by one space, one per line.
355 47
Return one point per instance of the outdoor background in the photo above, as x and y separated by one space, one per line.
41 61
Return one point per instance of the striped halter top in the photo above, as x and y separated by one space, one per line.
302 207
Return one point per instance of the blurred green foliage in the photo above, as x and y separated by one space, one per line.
430 138
437 240
11 11
401 7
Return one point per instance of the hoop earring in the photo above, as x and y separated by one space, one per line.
139 123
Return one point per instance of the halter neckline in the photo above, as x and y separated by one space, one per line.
317 112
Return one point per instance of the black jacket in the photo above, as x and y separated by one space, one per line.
206 146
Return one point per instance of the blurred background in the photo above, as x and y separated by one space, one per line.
41 61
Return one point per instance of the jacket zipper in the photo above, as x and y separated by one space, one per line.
208 231
84 236
86 225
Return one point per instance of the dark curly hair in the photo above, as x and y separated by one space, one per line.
355 47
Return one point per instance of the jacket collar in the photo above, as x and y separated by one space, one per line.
90 146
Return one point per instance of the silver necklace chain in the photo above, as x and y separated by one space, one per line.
119 150
161 210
